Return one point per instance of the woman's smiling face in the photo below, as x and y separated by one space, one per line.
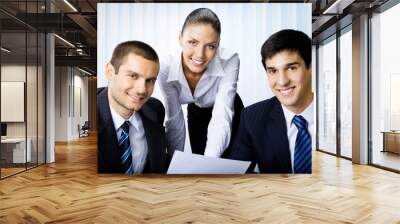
199 45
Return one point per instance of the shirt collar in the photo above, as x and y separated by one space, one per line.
118 120
175 72
308 114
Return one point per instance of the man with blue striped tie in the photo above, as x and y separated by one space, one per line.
131 136
276 134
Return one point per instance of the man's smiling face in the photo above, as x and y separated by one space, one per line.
290 80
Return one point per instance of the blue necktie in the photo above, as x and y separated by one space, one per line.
126 150
302 151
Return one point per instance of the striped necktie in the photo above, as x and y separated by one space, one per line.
125 146
302 151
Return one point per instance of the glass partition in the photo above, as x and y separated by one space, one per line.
326 96
385 89
22 88
13 95
31 98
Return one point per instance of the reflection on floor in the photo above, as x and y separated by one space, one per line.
347 152
386 159
10 169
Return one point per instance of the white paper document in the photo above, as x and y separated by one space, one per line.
187 163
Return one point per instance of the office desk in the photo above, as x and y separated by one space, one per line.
391 141
15 148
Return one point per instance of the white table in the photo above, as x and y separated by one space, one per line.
18 144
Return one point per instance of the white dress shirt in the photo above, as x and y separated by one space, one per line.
137 138
308 114
216 87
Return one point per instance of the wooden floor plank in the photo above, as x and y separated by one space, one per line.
70 191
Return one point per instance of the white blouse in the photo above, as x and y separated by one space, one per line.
217 87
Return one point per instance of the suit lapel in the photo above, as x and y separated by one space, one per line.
149 131
278 135
108 130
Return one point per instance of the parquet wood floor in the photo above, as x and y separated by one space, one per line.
9 171
70 191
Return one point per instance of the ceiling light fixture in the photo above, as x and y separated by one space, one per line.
337 7
65 41
5 50
70 5
84 71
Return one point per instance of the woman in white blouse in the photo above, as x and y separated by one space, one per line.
204 76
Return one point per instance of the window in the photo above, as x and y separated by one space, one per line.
385 89
346 93
326 95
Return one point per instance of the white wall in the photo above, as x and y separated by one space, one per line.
70 84
80 98
245 27
33 125
17 73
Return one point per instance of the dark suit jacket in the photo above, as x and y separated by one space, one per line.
109 155
262 137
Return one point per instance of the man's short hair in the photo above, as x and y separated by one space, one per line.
132 47
290 40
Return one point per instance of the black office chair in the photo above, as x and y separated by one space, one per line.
84 130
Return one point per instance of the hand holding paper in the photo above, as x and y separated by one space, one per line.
187 163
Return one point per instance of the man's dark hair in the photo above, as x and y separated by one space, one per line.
203 16
287 40
132 47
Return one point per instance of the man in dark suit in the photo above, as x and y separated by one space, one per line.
275 133
131 136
